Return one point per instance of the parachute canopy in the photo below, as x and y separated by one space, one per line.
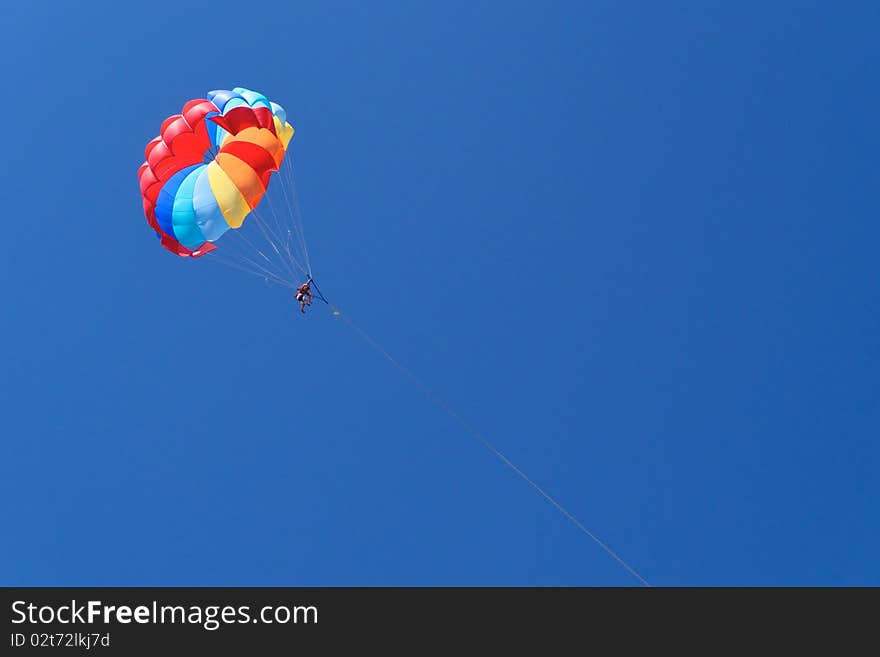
210 166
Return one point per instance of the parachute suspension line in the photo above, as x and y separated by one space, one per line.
267 197
276 223
284 252
286 228
282 230
244 260
214 257
442 405
280 224
295 215
267 231
265 277
253 247
245 250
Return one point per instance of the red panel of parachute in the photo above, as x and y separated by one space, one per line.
257 157
265 118
182 142
237 119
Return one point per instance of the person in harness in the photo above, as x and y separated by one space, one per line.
304 295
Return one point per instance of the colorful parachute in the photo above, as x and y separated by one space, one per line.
210 167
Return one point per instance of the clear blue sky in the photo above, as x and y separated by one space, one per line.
635 245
